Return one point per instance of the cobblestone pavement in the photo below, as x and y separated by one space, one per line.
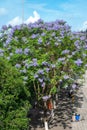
82 125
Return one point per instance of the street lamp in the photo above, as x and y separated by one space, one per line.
22 11
86 33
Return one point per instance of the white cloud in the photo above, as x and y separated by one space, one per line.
3 11
17 20
84 26
34 18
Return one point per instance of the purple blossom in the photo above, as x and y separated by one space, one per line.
56 44
39 40
45 63
65 51
26 51
18 51
11 54
12 31
48 43
67 28
40 21
61 59
1 52
34 62
40 71
78 62
74 52
35 76
17 27
62 34
27 65
66 77
4 27
10 36
53 66
32 25
43 84
73 86
43 34
8 41
40 80
56 27
34 36
9 26
24 39
47 69
17 65
76 43
53 34
86 47
82 38
1 36
46 97
61 22
71 38
24 70
49 28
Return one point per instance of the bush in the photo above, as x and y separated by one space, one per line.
14 97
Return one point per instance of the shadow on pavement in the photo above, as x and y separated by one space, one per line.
62 114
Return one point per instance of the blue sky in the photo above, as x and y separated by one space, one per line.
71 11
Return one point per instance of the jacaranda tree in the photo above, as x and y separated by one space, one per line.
45 55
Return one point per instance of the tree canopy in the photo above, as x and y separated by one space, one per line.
36 59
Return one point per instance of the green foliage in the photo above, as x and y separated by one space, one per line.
14 97
53 90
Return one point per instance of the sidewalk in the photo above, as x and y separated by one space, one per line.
82 125
62 117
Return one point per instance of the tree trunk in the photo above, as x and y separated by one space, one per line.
54 104
52 113
46 125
